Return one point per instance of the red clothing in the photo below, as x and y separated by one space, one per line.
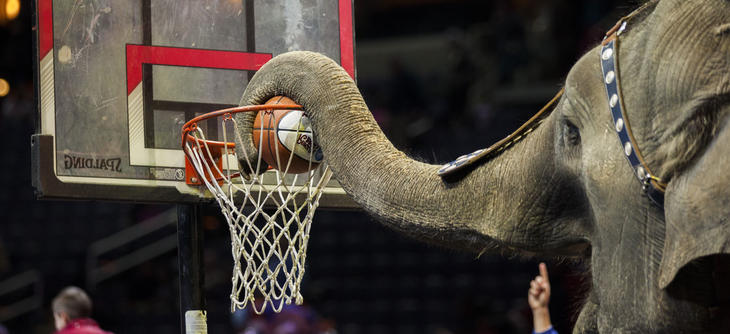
82 326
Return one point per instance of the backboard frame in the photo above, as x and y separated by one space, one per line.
139 61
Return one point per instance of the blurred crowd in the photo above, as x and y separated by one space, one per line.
488 66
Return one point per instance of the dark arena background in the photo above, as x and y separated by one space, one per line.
443 78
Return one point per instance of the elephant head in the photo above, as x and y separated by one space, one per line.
565 188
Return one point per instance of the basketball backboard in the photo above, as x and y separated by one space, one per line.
116 80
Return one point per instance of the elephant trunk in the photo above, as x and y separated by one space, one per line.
498 201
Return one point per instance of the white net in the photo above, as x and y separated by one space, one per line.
269 216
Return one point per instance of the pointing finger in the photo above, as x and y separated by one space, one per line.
544 272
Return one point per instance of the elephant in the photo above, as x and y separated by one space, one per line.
565 190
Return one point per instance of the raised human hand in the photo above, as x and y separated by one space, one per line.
538 296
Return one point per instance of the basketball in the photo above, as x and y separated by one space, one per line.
282 135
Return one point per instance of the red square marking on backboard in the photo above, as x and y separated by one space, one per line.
162 55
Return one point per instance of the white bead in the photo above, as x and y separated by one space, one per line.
627 148
619 124
607 54
610 76
614 99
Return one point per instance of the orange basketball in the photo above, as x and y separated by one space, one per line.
282 135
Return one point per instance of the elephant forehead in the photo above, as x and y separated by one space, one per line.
586 94
584 78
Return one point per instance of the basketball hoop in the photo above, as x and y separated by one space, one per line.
269 221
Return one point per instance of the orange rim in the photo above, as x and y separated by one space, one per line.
192 124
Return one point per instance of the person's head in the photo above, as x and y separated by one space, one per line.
71 303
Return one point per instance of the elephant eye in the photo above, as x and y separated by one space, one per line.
571 134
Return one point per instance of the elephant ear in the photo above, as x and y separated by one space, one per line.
697 208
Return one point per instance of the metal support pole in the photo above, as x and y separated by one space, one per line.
191 271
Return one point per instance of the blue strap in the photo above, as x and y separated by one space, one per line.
652 185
